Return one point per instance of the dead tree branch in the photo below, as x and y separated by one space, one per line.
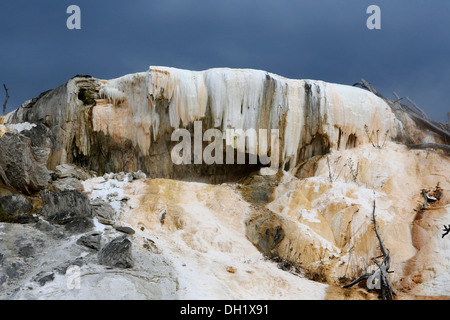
382 248
362 277
415 113
415 106
427 198
332 173
396 97
6 99
363 83
429 125
386 291
444 147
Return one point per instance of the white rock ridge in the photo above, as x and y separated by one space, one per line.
125 124
304 110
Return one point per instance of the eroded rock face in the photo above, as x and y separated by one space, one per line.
125 124
65 206
22 166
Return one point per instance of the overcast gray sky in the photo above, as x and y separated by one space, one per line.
321 39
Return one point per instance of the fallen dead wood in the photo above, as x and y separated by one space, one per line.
363 83
415 106
428 124
359 279
434 208
415 112
427 198
444 147
379 275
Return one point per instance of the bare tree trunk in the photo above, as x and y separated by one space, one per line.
386 290
6 100
385 287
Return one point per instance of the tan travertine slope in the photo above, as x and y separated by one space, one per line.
326 226
338 215
203 234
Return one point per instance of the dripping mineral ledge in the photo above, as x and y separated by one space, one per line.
126 124
308 112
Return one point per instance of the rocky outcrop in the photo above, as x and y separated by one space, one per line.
66 171
125 124
14 207
40 263
65 206
22 166
91 240
298 238
67 184
104 212
117 253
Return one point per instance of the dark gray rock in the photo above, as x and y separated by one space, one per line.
59 234
27 250
23 167
139 175
123 229
3 279
68 184
14 270
40 136
15 206
44 226
91 240
103 211
64 171
117 253
62 207
43 277
27 219
62 268
79 225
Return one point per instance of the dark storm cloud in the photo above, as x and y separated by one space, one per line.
326 40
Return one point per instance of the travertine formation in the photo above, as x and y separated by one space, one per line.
125 124
264 233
